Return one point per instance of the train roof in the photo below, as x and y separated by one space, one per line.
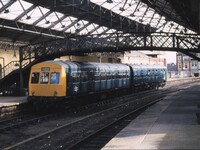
95 66
141 66
91 65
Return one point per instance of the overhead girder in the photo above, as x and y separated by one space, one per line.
118 42
94 13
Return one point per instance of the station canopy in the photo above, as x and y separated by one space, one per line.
27 22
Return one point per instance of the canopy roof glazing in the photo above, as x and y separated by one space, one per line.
27 13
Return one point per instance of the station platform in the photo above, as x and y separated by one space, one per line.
172 123
11 100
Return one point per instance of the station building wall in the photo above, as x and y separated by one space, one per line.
7 56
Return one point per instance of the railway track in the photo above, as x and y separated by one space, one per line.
22 121
88 120
76 120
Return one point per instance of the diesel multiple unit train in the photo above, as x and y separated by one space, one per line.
53 80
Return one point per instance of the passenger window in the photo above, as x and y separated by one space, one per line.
76 76
84 76
55 77
96 76
35 77
113 75
109 75
44 78
141 72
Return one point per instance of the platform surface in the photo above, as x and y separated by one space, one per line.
9 100
169 124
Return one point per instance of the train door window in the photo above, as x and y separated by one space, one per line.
103 76
119 75
112 75
152 71
124 75
84 76
156 71
141 72
91 75
96 76
137 72
35 77
149 72
44 79
108 75
55 77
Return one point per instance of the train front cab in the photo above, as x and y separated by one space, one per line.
47 79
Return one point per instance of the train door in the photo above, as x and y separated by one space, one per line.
109 82
69 81
103 79
73 78
91 81
84 82
76 82
116 79
97 80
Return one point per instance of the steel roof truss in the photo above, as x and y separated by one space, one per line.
72 24
93 30
25 13
59 20
6 5
42 17
78 30
133 14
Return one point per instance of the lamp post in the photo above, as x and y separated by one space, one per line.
3 65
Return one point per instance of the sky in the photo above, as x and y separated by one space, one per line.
170 57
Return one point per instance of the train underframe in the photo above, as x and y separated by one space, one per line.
41 101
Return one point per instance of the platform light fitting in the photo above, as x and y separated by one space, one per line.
47 22
6 11
140 20
122 9
109 1
28 17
